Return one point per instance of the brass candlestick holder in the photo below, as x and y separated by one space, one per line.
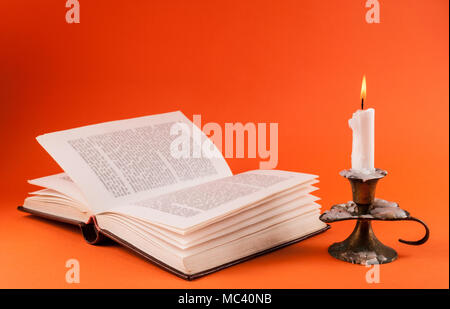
362 246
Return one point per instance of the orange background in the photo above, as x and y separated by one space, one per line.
297 63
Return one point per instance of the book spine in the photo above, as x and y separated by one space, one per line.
91 232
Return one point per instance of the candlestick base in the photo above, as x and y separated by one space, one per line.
362 246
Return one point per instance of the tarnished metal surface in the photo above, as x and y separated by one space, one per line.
362 246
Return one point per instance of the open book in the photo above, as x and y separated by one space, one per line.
189 215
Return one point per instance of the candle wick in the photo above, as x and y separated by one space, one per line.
362 103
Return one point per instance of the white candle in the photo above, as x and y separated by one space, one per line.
363 151
363 126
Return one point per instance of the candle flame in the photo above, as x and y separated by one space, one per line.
363 88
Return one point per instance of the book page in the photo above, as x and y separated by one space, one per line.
189 209
62 184
217 229
122 162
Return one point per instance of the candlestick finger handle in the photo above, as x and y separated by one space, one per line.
420 241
